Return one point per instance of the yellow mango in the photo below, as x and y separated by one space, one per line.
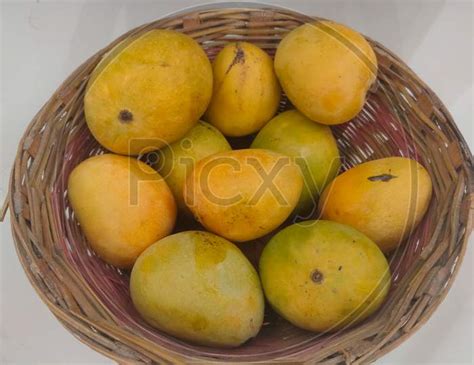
122 205
244 194
384 199
326 69
147 92
199 287
246 91
323 276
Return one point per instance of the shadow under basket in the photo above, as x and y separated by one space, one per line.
402 117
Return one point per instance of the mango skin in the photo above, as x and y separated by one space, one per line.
199 287
311 144
178 159
322 276
246 91
122 205
384 199
323 76
148 91
227 194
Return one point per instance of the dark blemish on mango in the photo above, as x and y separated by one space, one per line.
339 268
383 177
208 252
186 144
207 126
317 276
199 323
238 58
125 116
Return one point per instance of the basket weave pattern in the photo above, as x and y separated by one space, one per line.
401 117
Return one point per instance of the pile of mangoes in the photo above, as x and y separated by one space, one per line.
150 92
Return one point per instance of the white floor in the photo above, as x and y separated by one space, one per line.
43 42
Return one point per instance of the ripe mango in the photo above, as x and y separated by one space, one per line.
148 91
122 205
323 276
199 287
178 159
311 144
246 91
384 199
243 194
326 69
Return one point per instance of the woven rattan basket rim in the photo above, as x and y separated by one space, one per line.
103 337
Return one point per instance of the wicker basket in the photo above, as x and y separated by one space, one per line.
402 117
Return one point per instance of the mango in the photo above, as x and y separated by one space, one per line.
313 147
244 194
147 92
384 199
323 276
122 205
246 91
326 69
198 287
178 159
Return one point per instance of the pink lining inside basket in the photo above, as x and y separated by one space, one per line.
374 125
